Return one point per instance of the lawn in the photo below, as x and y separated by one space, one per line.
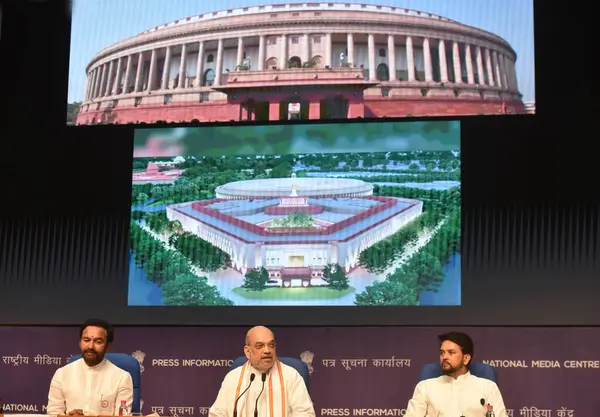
278 293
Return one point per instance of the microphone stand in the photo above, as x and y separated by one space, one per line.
263 377
252 375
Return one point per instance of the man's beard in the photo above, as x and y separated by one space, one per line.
449 370
92 360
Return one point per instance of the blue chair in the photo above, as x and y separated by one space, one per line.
297 364
481 370
127 363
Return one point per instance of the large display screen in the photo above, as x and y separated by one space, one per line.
354 214
202 61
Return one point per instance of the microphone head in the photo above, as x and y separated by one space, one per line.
482 401
263 377
252 375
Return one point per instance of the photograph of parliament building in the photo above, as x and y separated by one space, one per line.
304 60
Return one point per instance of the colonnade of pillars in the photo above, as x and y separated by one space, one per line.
487 67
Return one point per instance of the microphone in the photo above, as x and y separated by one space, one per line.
263 377
252 375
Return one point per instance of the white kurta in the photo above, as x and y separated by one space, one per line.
297 400
449 397
97 390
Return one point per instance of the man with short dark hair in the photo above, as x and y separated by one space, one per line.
264 385
457 393
91 385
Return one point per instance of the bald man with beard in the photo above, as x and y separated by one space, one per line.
272 388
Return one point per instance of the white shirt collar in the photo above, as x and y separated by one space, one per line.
461 378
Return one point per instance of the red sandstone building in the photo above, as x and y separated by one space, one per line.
306 60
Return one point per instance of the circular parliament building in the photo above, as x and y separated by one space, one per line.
306 61
294 227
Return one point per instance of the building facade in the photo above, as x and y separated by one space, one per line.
346 222
306 60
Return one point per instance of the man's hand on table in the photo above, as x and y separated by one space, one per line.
76 412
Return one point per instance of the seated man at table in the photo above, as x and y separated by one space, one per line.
91 385
264 385
457 392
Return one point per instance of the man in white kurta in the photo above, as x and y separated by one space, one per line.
284 393
91 385
447 396
456 393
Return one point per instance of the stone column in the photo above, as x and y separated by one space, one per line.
504 72
480 75
513 71
182 67
350 47
127 74
427 59
261 52
138 73
305 49
410 59
314 109
328 49
118 76
469 63
166 69
488 63
240 52
219 67
497 69
443 63
456 62
392 57
372 69
200 64
273 110
104 77
283 52
88 86
152 72
94 82
98 81
90 91
109 79
88 78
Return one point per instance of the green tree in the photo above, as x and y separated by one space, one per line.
158 221
294 219
187 289
334 275
428 268
199 252
256 279
387 293
164 265
282 170
142 198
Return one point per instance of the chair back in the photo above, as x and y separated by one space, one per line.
297 364
129 364
480 370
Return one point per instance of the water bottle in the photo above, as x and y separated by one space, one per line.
490 411
124 412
